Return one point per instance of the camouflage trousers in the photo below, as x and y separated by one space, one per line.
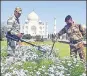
77 48
11 46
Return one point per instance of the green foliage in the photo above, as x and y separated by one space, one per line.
45 62
77 70
74 68
41 65
3 47
27 36
30 66
3 54
38 37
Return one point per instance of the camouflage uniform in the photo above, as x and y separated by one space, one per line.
75 35
13 26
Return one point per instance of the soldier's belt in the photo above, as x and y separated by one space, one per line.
75 41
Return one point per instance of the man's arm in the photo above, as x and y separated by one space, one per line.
61 32
82 30
10 28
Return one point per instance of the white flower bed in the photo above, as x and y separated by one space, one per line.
28 53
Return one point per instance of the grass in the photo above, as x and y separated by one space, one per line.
3 44
64 49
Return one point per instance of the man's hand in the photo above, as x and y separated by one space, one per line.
57 36
20 35
54 40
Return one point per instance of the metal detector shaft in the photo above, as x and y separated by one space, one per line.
39 47
28 42
51 48
16 38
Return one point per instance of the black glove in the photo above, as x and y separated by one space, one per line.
54 39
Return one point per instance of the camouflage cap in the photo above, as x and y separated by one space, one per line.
18 9
68 17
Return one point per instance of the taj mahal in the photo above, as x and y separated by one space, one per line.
34 26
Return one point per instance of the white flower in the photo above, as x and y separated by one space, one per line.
8 74
51 75
31 72
38 73
22 73
40 69
57 73
18 63
68 74
62 72
11 67
46 73
51 69
26 71
43 66
77 64
69 64
10 60
60 67
75 60
83 74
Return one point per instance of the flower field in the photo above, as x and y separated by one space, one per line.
28 61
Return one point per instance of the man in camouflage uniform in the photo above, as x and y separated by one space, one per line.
13 27
75 33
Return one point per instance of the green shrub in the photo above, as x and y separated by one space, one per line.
38 38
27 36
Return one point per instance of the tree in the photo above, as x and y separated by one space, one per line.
48 36
3 30
38 38
27 36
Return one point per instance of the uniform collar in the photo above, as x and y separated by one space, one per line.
16 19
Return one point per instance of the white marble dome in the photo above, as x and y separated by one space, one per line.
33 16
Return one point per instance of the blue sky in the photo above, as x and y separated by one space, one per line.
47 10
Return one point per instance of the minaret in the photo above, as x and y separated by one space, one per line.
54 26
46 29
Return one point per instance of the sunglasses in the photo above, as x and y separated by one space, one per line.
18 13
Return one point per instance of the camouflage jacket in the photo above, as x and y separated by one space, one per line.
74 32
13 25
